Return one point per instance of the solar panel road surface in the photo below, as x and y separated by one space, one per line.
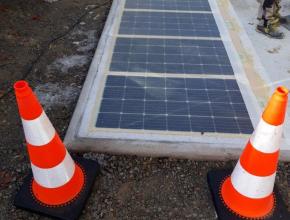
186 5
163 83
173 104
170 56
168 24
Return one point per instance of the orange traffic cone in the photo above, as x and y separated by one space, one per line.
58 182
248 191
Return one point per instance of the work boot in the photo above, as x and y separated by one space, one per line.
270 31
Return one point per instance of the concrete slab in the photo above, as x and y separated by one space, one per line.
253 80
272 54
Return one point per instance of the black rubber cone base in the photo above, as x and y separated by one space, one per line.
215 179
25 200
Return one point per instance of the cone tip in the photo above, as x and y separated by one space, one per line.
282 91
22 89
20 85
275 111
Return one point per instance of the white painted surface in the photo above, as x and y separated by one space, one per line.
39 131
273 54
56 176
255 187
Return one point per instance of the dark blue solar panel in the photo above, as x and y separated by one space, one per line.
186 5
202 124
178 123
168 24
171 56
173 104
177 108
155 122
244 125
131 121
108 120
155 108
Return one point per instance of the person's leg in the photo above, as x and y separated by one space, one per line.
266 24
269 8
277 8
260 12
277 15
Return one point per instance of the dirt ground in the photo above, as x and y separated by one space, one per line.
50 44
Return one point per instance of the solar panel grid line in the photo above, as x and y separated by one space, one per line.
171 16
170 11
167 37
188 109
184 115
112 33
153 82
190 83
175 51
170 42
202 102
182 130
170 59
174 111
168 5
152 74
166 103
170 91
201 124
122 106
212 112
175 107
168 23
172 56
140 112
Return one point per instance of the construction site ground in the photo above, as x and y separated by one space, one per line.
50 44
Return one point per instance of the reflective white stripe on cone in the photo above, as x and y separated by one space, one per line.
255 187
266 137
56 176
39 131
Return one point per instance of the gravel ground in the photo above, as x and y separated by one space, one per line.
50 44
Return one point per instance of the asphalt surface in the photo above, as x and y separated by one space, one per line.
50 44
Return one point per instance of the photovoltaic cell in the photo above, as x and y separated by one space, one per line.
168 24
173 104
179 56
170 103
186 5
